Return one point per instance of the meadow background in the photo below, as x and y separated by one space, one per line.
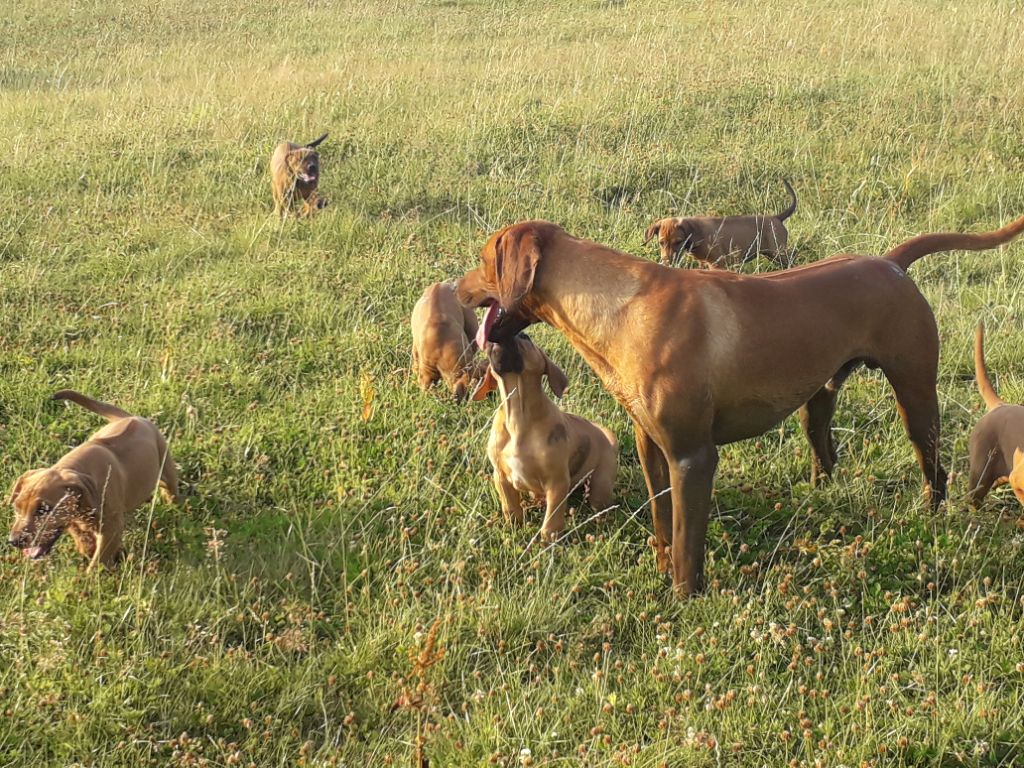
335 514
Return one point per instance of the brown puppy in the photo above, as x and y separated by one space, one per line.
442 340
90 490
537 448
295 175
700 358
997 442
723 241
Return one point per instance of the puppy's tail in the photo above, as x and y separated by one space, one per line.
907 253
783 215
106 410
988 392
316 142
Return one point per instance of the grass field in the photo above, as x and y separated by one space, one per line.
276 617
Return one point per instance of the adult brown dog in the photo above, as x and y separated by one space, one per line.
90 490
295 175
536 447
700 358
723 241
442 341
996 447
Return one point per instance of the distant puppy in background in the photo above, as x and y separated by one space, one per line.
443 345
91 490
726 241
996 447
295 175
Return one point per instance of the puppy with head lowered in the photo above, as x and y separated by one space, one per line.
442 341
295 176
723 241
536 447
996 447
90 490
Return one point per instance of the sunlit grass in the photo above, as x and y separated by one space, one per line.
275 618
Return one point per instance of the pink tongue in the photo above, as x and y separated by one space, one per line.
485 327
32 552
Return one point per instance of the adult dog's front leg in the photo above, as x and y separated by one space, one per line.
693 476
652 460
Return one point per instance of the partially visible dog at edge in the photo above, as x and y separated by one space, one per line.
89 492
535 447
724 241
295 176
702 358
996 447
443 345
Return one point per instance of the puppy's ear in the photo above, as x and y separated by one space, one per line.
316 142
557 379
652 232
516 255
685 231
16 488
487 385
84 488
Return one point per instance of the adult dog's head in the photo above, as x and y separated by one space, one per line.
673 235
45 502
304 163
504 281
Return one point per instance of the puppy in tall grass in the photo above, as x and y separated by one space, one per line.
295 176
535 447
443 346
996 447
724 241
91 490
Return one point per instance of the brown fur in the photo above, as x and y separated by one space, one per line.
723 241
537 448
442 341
996 447
90 490
703 358
295 175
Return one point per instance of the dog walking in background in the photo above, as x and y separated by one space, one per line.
295 175
723 241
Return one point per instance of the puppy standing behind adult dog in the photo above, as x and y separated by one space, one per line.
534 446
723 241
442 340
704 358
996 447
90 490
295 174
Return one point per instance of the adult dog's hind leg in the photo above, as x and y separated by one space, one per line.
816 420
919 408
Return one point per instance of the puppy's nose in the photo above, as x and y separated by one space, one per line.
15 541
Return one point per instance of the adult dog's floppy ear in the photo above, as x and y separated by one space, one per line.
652 232
557 379
316 142
487 385
516 254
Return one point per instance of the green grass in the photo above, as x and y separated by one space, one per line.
845 625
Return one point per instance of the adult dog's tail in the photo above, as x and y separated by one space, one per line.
106 410
907 253
988 392
783 215
316 142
